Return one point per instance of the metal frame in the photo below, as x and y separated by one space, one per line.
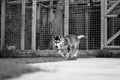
104 15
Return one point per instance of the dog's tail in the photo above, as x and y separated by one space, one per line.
81 36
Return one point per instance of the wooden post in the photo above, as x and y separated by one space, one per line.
34 5
23 26
2 23
66 18
38 12
87 27
51 11
103 23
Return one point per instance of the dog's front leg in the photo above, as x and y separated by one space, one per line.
69 52
61 53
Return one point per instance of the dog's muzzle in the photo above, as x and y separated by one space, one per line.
56 46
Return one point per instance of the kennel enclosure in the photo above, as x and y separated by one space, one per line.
30 24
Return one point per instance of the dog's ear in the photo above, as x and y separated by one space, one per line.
55 37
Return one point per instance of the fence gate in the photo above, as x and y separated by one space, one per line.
110 24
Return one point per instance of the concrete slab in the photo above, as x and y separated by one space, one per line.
81 69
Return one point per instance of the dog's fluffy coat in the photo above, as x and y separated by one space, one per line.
69 43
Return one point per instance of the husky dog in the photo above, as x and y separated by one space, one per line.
69 43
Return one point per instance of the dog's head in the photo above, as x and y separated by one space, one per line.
58 41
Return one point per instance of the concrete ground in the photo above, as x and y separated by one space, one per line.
81 69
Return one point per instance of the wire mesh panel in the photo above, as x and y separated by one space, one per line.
43 30
85 20
77 22
113 28
49 22
28 25
12 24
94 28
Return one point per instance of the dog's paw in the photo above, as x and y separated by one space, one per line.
71 58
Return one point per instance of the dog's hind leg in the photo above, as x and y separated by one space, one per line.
76 50
75 54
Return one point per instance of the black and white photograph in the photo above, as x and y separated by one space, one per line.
59 39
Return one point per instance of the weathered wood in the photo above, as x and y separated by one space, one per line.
105 21
23 26
116 47
66 18
113 37
44 5
87 28
15 2
34 5
112 15
38 12
51 12
102 24
112 7
3 23
104 28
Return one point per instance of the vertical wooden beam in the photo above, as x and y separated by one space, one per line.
105 20
34 5
66 18
3 23
23 26
51 11
87 27
103 23
38 12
